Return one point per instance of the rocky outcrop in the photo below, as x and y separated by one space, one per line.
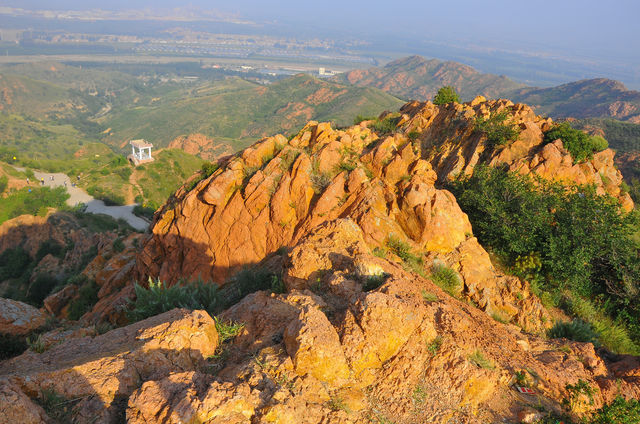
448 140
278 191
334 349
103 370
200 145
18 318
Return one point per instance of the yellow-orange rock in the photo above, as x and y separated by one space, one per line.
103 369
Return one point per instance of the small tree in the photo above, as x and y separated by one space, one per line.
446 94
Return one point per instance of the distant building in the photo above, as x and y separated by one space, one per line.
325 73
141 152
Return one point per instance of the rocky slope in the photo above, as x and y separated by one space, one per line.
418 78
357 224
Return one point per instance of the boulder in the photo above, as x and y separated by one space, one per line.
18 318
16 407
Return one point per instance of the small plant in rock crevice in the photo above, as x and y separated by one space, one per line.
478 358
446 278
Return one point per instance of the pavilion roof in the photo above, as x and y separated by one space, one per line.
140 143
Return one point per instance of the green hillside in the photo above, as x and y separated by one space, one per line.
624 137
238 112
118 182
594 98
37 99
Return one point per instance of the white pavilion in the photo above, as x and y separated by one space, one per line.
141 152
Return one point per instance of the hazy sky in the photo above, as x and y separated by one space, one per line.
606 30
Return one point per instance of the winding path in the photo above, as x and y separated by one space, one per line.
78 195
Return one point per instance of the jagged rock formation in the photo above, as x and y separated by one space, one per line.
449 142
361 333
277 191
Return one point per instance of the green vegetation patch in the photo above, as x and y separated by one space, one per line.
620 411
446 278
497 128
158 298
36 202
577 330
581 145
477 358
446 94
87 298
386 125
581 241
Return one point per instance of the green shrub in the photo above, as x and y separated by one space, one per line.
118 245
11 346
51 247
434 346
577 330
413 135
4 182
478 358
144 211
446 94
158 298
615 335
57 407
386 125
497 128
446 278
250 280
403 251
582 239
119 160
578 143
109 198
36 344
320 182
400 249
41 288
124 173
13 263
208 168
579 393
227 330
372 282
620 411
87 298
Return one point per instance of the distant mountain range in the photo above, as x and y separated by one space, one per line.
418 78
